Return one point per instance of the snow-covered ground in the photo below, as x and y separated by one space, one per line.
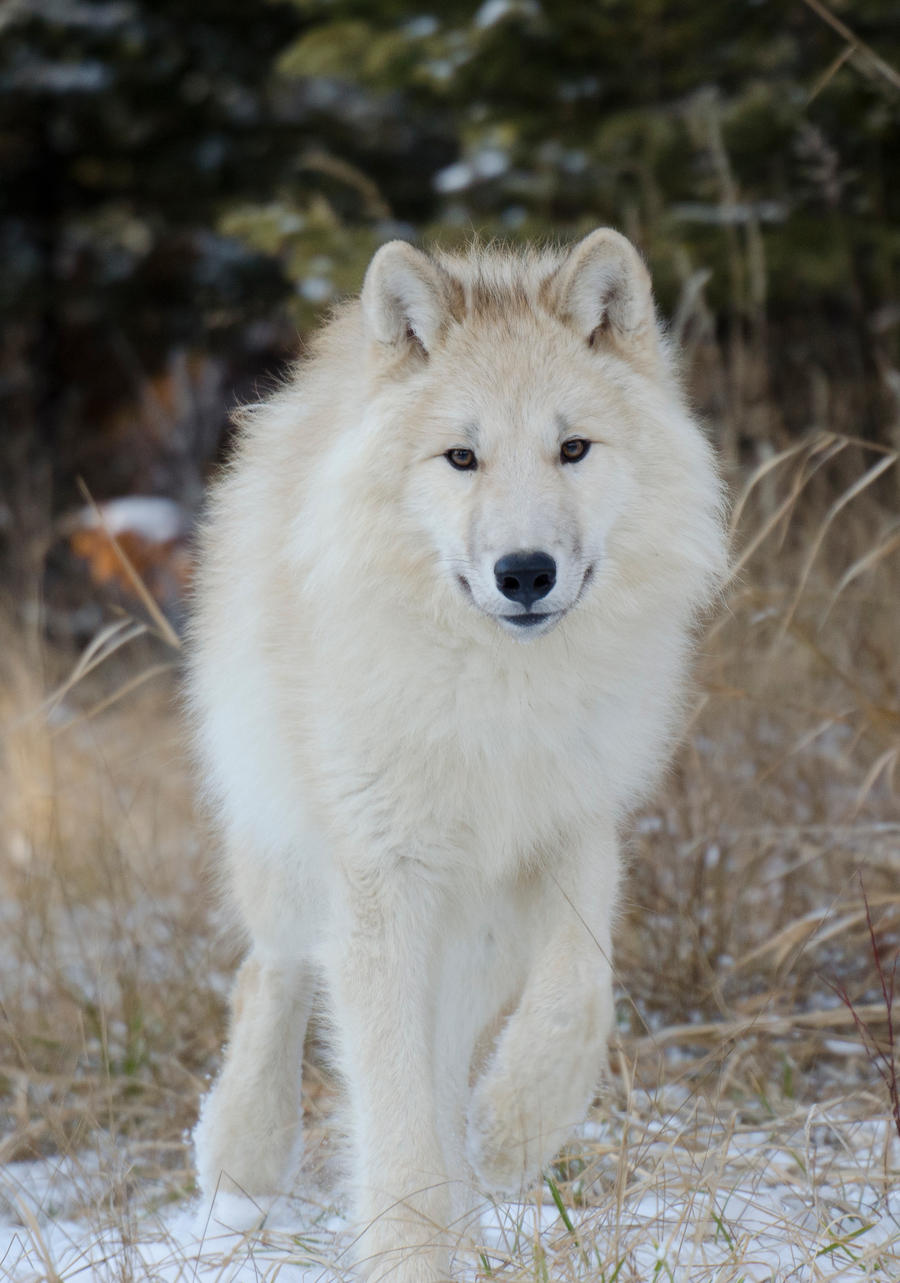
668 1191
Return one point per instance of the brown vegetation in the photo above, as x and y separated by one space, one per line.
744 911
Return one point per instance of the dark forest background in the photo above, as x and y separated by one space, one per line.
184 187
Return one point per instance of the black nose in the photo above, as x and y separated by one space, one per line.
525 577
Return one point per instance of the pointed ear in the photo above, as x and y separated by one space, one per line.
405 297
603 289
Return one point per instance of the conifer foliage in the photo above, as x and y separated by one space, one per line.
184 186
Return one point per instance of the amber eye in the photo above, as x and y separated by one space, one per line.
574 449
464 460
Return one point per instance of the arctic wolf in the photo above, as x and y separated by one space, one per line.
444 616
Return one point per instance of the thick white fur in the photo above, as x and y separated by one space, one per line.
419 801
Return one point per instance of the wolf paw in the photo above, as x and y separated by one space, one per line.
504 1142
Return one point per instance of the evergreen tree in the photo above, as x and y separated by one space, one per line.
738 140
134 135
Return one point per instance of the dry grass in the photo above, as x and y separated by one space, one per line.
745 1132
107 924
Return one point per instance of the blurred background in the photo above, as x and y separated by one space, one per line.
186 186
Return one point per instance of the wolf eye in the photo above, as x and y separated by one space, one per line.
574 449
463 460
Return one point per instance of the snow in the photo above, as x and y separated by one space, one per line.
421 27
69 13
176 1245
494 11
486 163
315 289
818 1201
153 518
87 76
454 178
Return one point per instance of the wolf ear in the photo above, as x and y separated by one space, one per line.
405 297
603 289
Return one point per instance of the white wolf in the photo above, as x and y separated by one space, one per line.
444 615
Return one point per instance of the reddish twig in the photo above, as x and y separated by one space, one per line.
884 1058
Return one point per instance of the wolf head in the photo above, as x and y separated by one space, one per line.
547 454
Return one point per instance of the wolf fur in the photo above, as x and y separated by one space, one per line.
419 796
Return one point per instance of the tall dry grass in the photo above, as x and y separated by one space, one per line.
744 909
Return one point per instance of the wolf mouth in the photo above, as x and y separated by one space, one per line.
529 620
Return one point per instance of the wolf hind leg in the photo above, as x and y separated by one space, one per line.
247 1139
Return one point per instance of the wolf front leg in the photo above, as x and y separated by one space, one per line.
542 1075
382 966
248 1136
